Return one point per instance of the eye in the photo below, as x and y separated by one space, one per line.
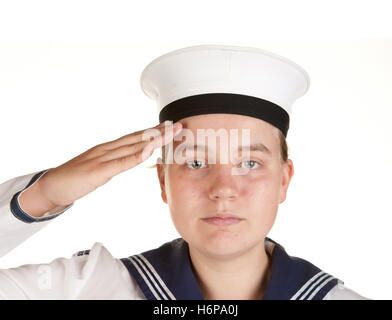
197 163
251 164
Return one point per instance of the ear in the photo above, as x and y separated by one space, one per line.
161 177
287 174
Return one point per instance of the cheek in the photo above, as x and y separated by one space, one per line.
262 201
183 199
262 189
182 195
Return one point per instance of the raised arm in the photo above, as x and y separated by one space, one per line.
28 203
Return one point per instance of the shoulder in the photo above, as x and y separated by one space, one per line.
306 281
88 274
98 264
341 292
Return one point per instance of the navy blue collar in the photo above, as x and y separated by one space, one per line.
166 273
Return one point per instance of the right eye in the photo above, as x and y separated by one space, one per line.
195 164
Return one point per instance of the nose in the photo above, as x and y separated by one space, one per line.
223 185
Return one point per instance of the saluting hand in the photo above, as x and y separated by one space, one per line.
83 174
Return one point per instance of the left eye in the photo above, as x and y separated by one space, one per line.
196 164
251 164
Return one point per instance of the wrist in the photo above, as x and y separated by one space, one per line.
33 202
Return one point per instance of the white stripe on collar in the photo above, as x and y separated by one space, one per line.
145 279
152 269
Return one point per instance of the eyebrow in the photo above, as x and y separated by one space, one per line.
258 147
253 147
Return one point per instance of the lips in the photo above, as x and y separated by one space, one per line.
223 219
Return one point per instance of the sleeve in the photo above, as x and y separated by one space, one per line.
89 274
341 292
17 225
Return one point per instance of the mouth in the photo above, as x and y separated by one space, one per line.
222 219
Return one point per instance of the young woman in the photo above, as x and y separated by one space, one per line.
223 195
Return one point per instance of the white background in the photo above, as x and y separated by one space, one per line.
69 80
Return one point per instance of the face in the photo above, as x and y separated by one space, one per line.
196 189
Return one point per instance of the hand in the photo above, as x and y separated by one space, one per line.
81 175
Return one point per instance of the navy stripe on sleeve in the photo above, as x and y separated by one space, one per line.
18 212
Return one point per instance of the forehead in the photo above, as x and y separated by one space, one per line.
259 130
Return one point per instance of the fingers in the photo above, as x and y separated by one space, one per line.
128 156
123 163
139 136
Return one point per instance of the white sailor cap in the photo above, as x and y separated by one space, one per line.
224 79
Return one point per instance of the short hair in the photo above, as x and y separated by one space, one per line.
284 150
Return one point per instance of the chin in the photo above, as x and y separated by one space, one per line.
223 243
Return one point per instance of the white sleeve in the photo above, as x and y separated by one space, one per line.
340 292
89 274
17 225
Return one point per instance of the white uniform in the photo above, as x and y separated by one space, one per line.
161 273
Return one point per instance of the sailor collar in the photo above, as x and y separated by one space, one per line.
166 273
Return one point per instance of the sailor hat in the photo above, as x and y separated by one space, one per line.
208 79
